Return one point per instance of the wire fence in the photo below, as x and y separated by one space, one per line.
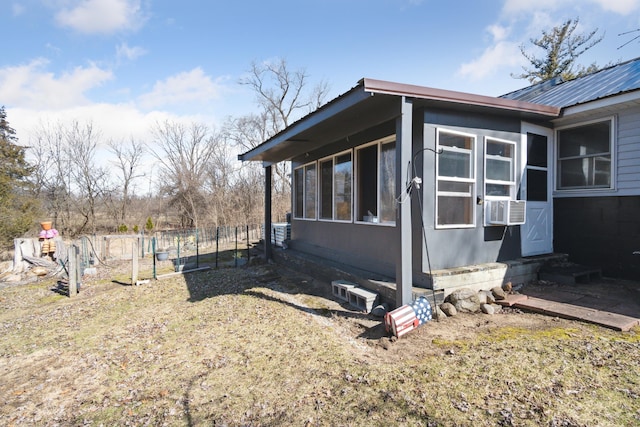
193 245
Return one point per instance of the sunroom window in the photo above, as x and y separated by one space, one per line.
499 168
376 183
305 178
584 156
335 187
456 180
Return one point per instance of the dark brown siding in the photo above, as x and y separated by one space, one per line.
600 232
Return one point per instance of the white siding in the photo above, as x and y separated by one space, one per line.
626 148
628 151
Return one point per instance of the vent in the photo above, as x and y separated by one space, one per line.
506 212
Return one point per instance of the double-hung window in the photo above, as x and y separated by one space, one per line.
335 187
455 179
584 156
305 178
499 168
376 183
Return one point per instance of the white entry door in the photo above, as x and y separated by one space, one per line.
536 189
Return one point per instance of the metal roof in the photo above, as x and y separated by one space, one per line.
615 80
372 102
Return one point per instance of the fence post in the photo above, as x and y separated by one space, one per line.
178 260
153 248
235 254
217 239
248 246
197 250
73 270
134 262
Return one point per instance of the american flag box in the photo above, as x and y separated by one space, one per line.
401 320
422 308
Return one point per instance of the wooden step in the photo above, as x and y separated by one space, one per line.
569 275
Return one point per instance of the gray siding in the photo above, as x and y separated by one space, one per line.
371 247
464 246
367 246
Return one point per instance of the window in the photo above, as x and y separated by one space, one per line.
376 165
305 191
584 156
455 176
499 168
335 187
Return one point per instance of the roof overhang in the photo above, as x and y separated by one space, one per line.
372 102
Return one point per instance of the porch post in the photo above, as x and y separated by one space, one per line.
267 212
404 269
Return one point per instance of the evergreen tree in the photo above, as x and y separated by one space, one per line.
17 206
561 49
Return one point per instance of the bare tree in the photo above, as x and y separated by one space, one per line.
283 96
281 93
561 49
128 159
51 175
183 154
89 178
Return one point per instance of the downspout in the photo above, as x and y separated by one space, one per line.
404 267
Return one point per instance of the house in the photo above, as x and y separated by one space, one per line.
441 189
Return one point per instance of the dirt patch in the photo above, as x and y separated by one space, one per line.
263 345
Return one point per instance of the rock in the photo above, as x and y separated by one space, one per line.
380 310
507 287
448 309
439 314
465 300
12 278
487 308
482 297
497 308
486 297
6 266
499 293
39 271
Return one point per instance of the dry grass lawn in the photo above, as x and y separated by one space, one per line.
263 346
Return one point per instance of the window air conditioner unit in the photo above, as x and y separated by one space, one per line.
506 212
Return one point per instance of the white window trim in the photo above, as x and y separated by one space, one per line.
612 151
355 188
304 192
333 189
472 180
514 168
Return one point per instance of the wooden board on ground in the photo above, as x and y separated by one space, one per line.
569 311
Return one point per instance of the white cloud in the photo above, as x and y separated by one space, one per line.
502 53
17 9
123 51
622 7
512 7
101 16
32 86
183 88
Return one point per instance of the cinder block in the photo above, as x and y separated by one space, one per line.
362 298
339 289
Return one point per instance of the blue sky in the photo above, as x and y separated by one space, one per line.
124 64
